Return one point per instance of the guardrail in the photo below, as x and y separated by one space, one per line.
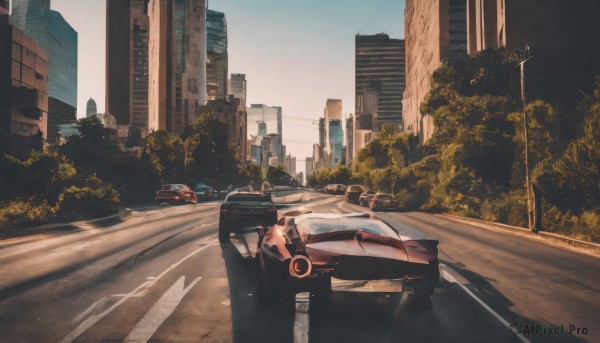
558 240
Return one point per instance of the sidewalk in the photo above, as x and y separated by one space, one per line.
564 242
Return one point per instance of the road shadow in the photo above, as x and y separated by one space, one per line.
251 322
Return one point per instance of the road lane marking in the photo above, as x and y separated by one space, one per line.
448 277
90 321
98 304
301 320
162 309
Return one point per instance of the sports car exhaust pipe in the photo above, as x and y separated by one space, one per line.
300 266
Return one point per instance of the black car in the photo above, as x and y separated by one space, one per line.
241 210
353 193
204 192
366 197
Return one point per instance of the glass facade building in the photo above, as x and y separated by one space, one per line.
336 142
53 33
271 116
217 63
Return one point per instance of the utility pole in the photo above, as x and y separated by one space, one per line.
532 220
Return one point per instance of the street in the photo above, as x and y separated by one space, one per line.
162 276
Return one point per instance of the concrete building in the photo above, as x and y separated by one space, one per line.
177 63
23 89
91 108
273 161
59 39
217 62
127 34
309 167
558 33
4 7
379 67
271 116
434 30
334 133
232 112
290 164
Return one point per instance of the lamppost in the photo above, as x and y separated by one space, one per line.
522 57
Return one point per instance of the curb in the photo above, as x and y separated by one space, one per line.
100 222
568 243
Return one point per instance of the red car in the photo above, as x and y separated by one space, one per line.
383 201
309 251
175 194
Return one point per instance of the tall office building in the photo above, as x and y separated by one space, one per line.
90 108
4 8
434 30
237 86
23 90
177 63
127 37
349 140
379 66
217 63
59 39
334 133
270 116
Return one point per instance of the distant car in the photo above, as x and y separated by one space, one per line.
266 188
309 251
247 188
353 193
383 201
366 197
335 188
175 194
222 193
204 192
242 210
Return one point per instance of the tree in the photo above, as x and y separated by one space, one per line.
251 175
166 154
278 176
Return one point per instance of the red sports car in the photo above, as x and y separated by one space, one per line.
175 194
306 251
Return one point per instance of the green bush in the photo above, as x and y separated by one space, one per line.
25 212
87 202
510 208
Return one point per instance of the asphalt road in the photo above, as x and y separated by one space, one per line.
162 276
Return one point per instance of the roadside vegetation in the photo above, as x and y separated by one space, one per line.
90 176
473 165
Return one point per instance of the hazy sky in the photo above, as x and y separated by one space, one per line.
295 54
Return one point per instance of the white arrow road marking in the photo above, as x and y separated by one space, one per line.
162 310
448 277
301 320
90 321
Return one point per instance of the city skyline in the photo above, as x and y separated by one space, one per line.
316 60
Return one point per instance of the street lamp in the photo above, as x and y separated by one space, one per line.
522 57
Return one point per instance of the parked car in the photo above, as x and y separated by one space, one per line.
308 251
353 193
365 198
241 210
175 194
383 201
335 188
204 192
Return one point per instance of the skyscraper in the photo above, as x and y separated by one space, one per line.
334 133
91 108
177 63
434 30
271 116
59 39
379 66
127 37
237 86
217 63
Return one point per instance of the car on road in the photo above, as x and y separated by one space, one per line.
353 193
335 188
383 201
307 252
366 197
204 192
241 210
175 194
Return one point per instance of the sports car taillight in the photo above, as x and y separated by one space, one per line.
300 266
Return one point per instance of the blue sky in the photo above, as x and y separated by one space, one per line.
295 54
